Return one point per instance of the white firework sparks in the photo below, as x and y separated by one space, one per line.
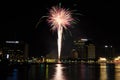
59 18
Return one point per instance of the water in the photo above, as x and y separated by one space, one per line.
61 72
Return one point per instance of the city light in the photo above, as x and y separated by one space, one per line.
7 56
117 59
106 46
14 42
84 39
102 59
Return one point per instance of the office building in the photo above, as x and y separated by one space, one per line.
85 49
91 51
14 49
81 48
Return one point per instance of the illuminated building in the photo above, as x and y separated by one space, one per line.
109 51
81 48
91 51
14 49
85 49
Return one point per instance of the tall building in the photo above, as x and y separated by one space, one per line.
109 51
91 51
13 49
85 49
81 48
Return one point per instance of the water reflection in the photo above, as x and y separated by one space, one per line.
14 75
91 70
107 71
103 71
37 72
47 72
117 71
83 71
59 73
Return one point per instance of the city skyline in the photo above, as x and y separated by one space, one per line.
39 41
98 21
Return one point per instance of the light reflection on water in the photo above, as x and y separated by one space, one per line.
82 71
109 71
117 71
47 72
71 72
58 73
103 71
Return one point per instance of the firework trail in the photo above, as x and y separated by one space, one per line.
60 18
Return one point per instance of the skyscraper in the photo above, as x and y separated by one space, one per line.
91 51
85 49
109 51
13 49
81 48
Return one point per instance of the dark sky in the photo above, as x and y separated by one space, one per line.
99 22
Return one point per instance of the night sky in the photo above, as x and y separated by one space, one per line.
99 22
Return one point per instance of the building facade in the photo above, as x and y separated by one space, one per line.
85 49
91 51
81 48
109 52
14 50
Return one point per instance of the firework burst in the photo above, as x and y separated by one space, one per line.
60 18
